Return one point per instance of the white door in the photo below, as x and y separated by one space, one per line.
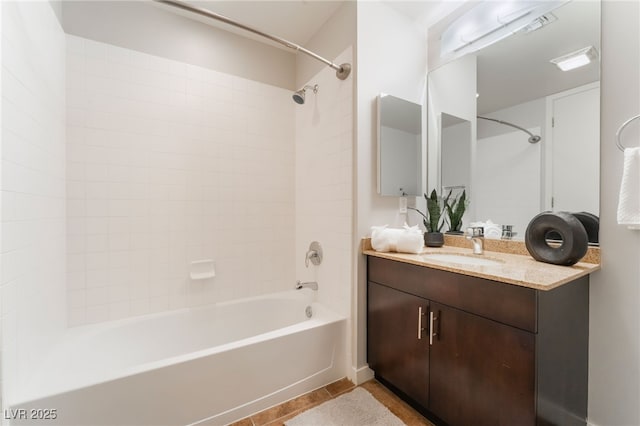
575 150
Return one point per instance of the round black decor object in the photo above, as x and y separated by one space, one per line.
591 224
571 231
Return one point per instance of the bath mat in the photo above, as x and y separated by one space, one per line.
356 408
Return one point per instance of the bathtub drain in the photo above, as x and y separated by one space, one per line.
308 311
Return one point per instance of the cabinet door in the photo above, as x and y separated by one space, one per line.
397 340
482 371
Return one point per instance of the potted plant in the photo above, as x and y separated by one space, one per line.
455 210
432 220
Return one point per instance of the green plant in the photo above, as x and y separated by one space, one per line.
455 210
432 219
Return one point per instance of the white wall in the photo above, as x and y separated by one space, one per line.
614 339
149 27
169 163
32 190
336 35
391 58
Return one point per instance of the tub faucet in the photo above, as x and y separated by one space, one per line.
309 284
476 235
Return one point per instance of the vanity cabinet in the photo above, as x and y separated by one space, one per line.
403 349
483 371
470 351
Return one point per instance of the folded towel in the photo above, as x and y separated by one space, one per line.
405 240
629 200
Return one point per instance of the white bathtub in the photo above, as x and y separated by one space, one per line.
205 366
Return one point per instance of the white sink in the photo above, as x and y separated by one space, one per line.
462 259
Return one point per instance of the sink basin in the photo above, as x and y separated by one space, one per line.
462 259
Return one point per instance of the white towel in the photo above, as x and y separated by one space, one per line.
629 201
404 240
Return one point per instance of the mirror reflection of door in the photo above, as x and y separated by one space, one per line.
575 147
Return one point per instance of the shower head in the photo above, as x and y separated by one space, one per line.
299 95
534 139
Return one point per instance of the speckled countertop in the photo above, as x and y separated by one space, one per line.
511 268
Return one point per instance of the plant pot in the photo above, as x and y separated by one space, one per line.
433 239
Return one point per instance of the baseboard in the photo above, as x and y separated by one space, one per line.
361 375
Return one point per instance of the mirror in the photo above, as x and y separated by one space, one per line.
400 148
504 96
455 159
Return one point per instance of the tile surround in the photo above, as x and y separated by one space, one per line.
324 185
168 163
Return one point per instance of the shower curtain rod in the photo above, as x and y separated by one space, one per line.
342 70
532 138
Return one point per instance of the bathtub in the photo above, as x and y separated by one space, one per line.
199 366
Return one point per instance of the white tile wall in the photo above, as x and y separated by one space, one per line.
168 163
324 185
32 278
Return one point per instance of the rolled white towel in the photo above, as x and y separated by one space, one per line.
411 240
380 238
629 199
493 231
403 240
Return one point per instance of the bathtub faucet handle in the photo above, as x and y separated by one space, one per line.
311 256
313 285
314 254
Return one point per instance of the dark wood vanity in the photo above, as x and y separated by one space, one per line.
466 350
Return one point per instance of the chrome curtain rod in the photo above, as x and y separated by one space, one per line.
342 70
532 138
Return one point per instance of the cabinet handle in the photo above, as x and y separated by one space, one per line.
420 327
432 319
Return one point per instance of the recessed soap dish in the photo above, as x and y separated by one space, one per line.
202 269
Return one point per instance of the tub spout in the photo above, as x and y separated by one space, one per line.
310 284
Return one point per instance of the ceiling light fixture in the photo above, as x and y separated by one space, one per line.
491 21
576 59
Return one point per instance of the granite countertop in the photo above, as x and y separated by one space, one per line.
514 269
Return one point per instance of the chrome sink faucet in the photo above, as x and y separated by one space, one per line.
313 285
476 235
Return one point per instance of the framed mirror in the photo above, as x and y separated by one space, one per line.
400 147
534 129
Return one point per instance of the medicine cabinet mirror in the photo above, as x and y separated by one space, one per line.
400 147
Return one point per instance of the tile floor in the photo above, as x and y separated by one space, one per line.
276 416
